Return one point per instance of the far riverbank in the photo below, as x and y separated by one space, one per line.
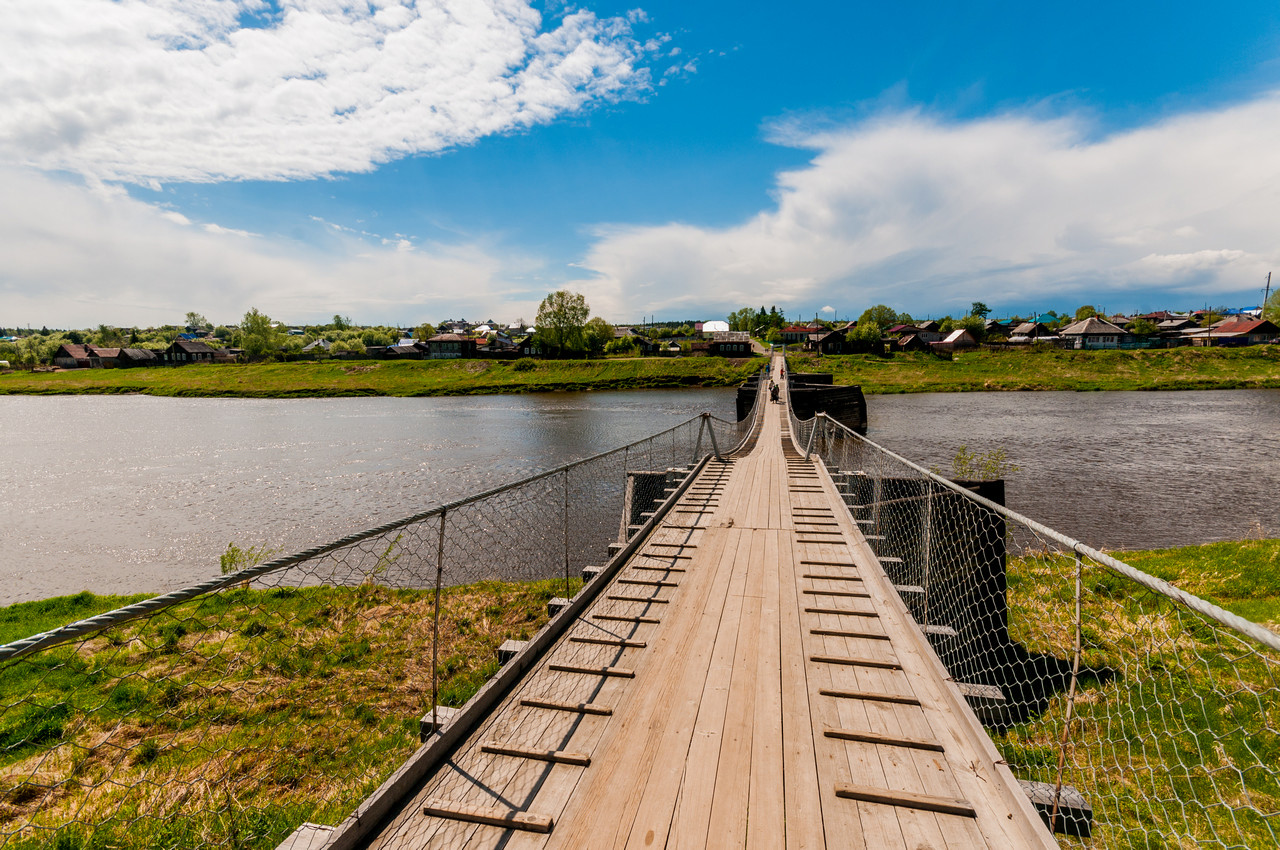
985 370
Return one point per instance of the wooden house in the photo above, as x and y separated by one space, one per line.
1092 333
957 340
184 351
129 358
102 358
450 346
71 356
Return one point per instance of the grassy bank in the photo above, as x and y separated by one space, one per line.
1172 736
389 378
232 719
1023 369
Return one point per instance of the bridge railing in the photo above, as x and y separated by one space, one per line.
1161 709
228 713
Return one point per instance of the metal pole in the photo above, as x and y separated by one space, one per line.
927 547
565 526
812 430
715 448
1071 701
697 447
435 631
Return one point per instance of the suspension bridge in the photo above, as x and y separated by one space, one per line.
795 639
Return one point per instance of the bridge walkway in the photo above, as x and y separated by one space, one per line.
749 679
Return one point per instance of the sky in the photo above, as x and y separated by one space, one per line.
399 162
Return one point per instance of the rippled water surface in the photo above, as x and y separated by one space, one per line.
132 494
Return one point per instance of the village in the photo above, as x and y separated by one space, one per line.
873 333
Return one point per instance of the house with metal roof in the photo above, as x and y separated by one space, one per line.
1095 333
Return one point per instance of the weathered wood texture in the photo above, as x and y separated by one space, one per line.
749 679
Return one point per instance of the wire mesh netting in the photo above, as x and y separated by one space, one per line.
229 713
1161 710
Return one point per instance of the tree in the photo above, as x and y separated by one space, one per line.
424 331
979 309
865 332
1143 327
598 333
258 335
341 323
1086 311
109 336
881 315
197 322
975 325
742 320
1271 310
562 315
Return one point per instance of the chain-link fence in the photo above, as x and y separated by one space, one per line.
228 713
1160 709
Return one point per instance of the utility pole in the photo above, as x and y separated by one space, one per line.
1266 295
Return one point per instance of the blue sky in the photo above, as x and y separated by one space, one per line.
411 162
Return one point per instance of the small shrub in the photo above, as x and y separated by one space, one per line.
147 752
525 364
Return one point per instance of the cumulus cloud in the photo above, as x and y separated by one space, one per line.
73 257
204 90
925 214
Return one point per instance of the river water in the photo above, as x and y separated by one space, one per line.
141 494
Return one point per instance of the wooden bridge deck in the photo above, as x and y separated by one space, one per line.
749 679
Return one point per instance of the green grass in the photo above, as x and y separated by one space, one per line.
388 378
1174 738
1024 369
231 719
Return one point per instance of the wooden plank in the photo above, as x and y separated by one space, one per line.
849 634
619 597
623 618
884 740
844 612
574 707
623 642
831 577
553 756
492 815
905 799
848 594
619 672
766 807
648 582
870 696
851 661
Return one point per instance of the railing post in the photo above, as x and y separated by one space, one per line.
1071 701
926 547
712 431
565 532
812 430
697 446
435 629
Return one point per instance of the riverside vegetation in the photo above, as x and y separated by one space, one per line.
388 378
1255 367
232 718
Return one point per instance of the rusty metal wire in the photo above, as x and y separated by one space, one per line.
228 713
1161 709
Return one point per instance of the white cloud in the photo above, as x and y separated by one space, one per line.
181 90
73 257
927 215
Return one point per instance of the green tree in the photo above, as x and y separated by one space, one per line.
424 331
979 309
341 323
881 315
258 336
195 321
1143 327
742 320
865 332
562 316
1086 311
1271 310
109 337
598 334
975 325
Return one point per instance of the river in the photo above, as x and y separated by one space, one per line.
134 493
